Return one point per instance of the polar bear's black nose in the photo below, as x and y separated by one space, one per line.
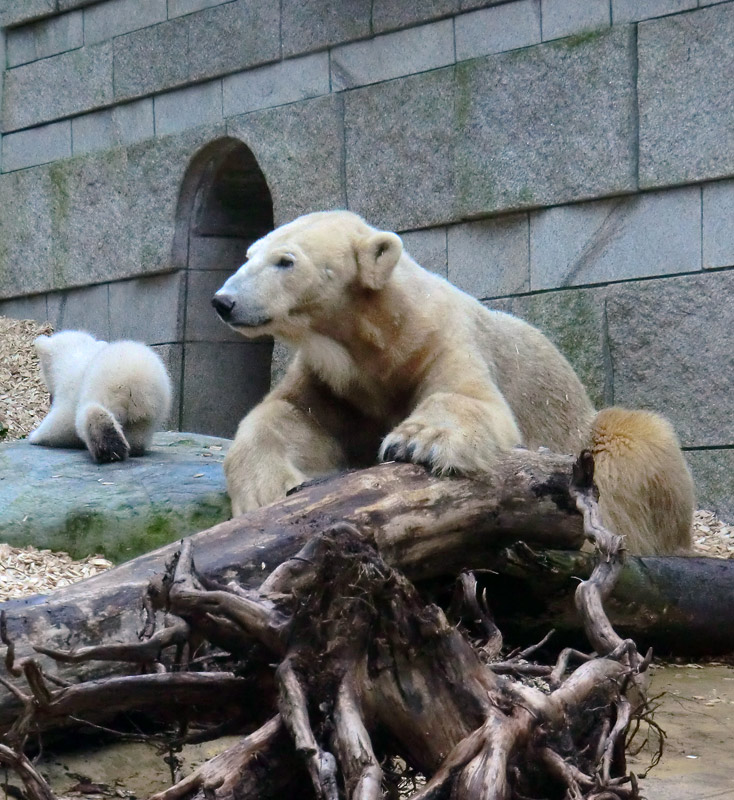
223 305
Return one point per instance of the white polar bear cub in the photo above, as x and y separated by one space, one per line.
108 396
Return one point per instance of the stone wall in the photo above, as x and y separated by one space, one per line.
569 160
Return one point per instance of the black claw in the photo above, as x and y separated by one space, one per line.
391 453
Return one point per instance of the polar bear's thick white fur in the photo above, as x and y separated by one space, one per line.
107 397
393 362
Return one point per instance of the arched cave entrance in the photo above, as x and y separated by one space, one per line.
224 206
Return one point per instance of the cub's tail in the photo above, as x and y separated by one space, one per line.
645 488
101 433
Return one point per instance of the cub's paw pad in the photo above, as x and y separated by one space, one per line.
109 445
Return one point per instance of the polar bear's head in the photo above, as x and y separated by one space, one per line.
306 270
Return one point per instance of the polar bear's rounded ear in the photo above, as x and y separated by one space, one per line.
377 255
41 343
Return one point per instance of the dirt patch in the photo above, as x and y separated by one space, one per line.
24 400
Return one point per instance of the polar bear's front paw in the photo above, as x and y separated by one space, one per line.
443 449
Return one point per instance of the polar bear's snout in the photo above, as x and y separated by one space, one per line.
239 313
224 305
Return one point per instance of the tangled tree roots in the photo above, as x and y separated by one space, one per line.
368 671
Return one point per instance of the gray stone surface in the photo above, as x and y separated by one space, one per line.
114 17
567 17
148 309
13 12
217 253
429 248
545 125
388 15
400 139
95 218
304 163
686 97
713 476
172 355
188 108
31 307
490 258
223 381
59 499
233 36
69 83
177 8
315 24
496 29
392 55
143 63
123 124
575 322
633 10
202 323
718 224
46 38
671 349
36 146
275 84
609 240
86 309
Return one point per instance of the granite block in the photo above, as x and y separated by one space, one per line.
718 224
304 163
49 37
496 29
428 248
222 381
69 83
521 115
121 125
658 233
36 146
568 17
202 322
188 108
665 358
233 37
276 84
634 10
400 139
389 15
490 258
392 55
148 309
112 18
86 309
316 24
686 97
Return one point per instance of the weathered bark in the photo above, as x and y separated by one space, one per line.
427 526
367 669
677 605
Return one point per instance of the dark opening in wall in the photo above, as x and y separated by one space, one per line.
224 206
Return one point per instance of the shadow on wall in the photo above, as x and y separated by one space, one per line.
224 206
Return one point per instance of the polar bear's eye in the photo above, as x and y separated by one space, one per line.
285 262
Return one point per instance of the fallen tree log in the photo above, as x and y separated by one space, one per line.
679 606
367 671
427 526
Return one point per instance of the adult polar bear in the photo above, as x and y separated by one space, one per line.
393 362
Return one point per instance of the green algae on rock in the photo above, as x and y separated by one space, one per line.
59 499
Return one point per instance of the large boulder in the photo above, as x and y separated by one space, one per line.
60 499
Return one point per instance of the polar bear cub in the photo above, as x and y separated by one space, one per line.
108 396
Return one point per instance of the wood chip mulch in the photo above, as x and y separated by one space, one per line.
24 400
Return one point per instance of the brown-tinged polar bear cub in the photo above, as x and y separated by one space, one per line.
393 362
109 397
